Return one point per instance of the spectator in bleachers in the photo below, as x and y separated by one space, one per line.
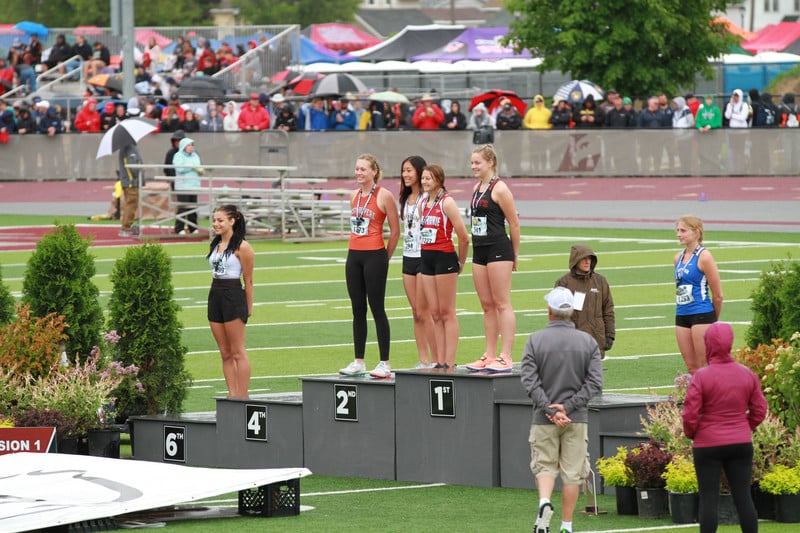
212 121
26 75
173 107
389 117
561 116
33 52
652 116
709 116
682 117
177 53
230 122
372 118
428 115
101 58
788 112
107 116
693 103
618 116
663 105
81 48
538 116
6 76
737 111
286 120
454 119
59 52
253 116
207 60
151 59
51 123
8 124
313 116
508 118
88 118
341 117
120 113
190 63
25 122
627 104
765 114
479 118
190 123
588 115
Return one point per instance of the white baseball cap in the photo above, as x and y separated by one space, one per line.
560 299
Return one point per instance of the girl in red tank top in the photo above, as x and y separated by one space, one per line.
440 217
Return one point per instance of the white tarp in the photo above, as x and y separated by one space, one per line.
52 489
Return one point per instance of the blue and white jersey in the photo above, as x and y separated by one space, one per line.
692 296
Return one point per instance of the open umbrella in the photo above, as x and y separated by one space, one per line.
32 28
202 87
576 91
127 132
112 82
392 97
302 83
337 84
491 99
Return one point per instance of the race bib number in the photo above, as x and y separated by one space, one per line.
683 295
479 226
358 226
410 244
427 236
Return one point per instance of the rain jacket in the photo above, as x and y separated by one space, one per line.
708 115
738 114
479 119
258 117
597 316
187 176
538 116
682 118
724 403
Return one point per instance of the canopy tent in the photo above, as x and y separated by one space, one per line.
774 38
412 41
311 52
476 44
735 29
344 37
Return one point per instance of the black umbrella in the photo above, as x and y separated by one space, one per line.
337 84
202 87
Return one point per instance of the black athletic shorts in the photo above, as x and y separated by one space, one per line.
412 265
435 263
226 301
687 321
490 253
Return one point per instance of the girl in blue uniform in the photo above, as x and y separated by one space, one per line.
698 292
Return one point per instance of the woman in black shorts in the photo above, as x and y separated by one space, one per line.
229 304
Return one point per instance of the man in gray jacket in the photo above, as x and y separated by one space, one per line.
561 372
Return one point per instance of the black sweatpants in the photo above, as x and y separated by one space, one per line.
737 462
365 272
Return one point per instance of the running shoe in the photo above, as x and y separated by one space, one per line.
501 365
480 364
356 368
423 366
383 370
542 524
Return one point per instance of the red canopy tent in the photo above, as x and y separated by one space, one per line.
343 37
773 38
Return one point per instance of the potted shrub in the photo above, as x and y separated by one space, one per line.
784 483
647 464
681 483
616 474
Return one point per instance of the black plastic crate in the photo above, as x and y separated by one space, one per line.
277 499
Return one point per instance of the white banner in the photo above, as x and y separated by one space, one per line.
45 490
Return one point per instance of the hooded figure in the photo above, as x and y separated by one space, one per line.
231 120
737 111
722 408
682 117
538 116
187 166
594 306
588 115
788 112
479 117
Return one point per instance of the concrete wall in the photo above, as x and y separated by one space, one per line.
521 153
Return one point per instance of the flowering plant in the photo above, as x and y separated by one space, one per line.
647 463
128 387
614 471
680 476
664 423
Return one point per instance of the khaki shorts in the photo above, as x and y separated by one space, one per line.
563 451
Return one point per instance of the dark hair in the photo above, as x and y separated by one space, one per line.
419 164
239 230
438 175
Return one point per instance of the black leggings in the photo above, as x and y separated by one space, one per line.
737 462
365 272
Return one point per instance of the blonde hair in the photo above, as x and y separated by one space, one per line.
694 223
373 163
487 152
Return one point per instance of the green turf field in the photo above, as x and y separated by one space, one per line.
301 326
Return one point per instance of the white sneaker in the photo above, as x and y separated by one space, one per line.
423 366
383 370
356 368
542 524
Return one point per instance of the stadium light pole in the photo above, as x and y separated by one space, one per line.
122 23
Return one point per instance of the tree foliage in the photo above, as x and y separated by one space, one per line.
59 279
302 12
144 314
6 302
639 47
69 13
